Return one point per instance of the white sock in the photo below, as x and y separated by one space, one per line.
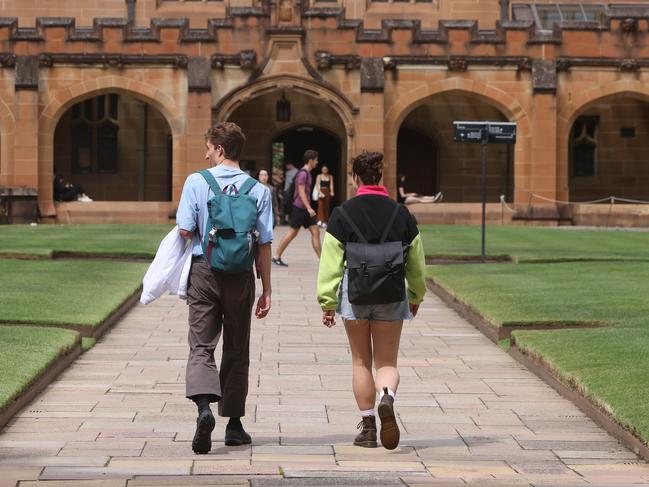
390 393
367 412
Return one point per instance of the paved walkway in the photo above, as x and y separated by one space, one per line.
469 413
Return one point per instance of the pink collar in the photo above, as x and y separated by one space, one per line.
377 190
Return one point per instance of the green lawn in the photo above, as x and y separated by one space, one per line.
26 353
549 293
111 240
70 292
536 244
609 365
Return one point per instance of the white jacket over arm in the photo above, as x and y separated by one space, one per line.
169 270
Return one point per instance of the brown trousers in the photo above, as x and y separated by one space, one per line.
219 302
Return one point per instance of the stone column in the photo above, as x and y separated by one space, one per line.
543 177
198 116
26 147
370 118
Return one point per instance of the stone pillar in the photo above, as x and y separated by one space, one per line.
543 177
370 119
198 118
544 146
26 147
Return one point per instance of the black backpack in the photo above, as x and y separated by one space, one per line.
289 195
376 272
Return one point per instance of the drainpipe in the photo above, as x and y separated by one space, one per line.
130 11
504 9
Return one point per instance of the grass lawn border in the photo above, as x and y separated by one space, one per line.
89 330
541 367
40 382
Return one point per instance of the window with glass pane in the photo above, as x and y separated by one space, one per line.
583 146
593 12
94 134
571 12
107 148
547 15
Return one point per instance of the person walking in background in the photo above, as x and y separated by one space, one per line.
263 179
410 198
372 218
302 214
324 183
221 301
289 175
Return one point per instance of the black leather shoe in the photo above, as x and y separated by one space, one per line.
235 435
389 427
279 262
202 442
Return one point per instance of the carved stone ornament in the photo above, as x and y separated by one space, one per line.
113 61
7 60
323 59
457 64
525 65
629 65
45 61
248 59
629 26
285 12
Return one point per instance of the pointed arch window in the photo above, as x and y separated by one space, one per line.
583 146
94 134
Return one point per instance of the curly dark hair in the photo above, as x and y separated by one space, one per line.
368 166
229 136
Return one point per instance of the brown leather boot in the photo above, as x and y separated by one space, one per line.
389 427
367 436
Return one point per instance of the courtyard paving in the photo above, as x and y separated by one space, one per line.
469 413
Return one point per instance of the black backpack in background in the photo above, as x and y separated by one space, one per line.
289 195
376 272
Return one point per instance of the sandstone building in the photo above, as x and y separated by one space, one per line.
117 94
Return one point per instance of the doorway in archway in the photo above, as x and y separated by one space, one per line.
293 142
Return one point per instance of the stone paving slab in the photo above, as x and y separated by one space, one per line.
468 412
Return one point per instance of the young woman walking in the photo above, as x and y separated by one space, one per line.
373 330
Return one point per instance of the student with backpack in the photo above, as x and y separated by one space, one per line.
229 218
371 248
299 207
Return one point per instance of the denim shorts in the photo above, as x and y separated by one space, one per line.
373 312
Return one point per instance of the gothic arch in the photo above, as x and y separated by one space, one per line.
61 100
418 95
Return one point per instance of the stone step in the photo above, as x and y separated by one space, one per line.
116 212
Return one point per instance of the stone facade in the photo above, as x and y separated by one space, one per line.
367 74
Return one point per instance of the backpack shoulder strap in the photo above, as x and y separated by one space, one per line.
390 222
247 185
352 224
216 189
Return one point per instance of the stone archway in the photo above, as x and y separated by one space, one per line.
116 147
578 104
63 99
457 167
253 107
508 106
605 147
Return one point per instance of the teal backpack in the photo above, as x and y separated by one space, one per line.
230 239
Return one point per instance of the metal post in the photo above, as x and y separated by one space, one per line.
485 140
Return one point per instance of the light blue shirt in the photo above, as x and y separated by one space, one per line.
192 209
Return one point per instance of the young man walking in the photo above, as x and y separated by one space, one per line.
302 215
221 302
